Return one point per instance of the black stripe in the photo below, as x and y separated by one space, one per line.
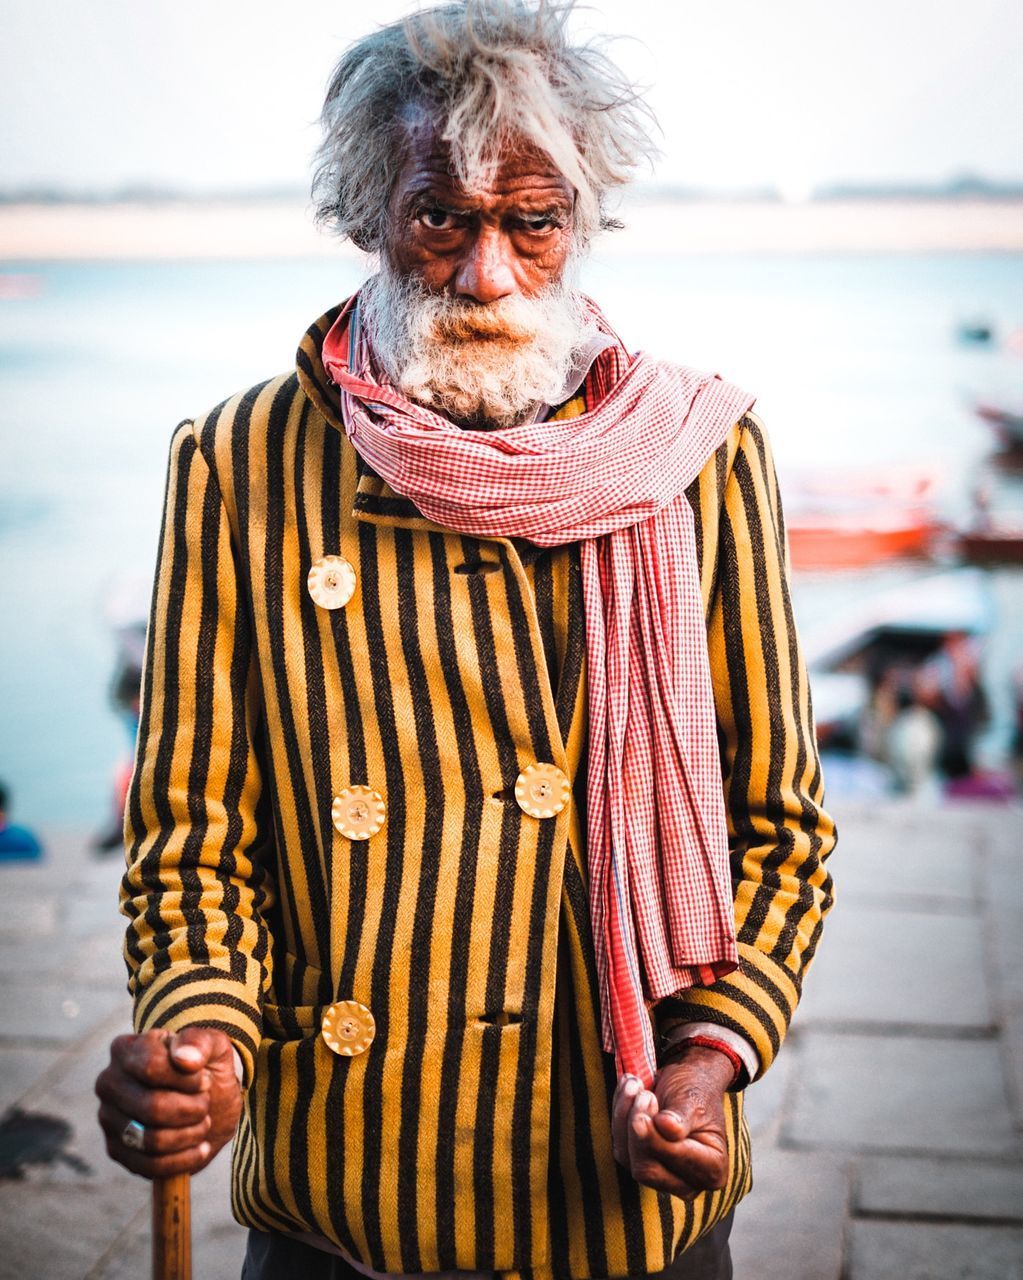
497 962
202 723
770 882
529 677
735 662
574 900
336 459
692 495
316 711
135 953
557 1208
423 923
395 832
465 740
574 661
175 596
543 592
273 587
271 1066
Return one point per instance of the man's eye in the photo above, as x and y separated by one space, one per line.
438 219
542 224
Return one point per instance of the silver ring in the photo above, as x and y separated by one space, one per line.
134 1135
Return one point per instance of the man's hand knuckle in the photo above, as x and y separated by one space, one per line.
150 1068
152 1109
120 1045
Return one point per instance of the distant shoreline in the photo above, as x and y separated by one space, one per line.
284 229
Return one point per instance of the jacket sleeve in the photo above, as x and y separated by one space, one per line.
197 835
779 833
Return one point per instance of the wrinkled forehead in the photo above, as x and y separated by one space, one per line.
522 170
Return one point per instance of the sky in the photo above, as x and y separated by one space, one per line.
223 95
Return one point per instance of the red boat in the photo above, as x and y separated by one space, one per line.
853 540
847 520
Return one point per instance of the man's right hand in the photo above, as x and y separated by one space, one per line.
181 1088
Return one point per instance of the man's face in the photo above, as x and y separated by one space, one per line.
474 311
510 237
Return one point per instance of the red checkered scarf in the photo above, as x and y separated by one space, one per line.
612 479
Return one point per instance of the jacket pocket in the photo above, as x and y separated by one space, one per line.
291 1022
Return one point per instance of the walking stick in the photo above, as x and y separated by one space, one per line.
172 1228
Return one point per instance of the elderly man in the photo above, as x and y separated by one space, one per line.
475 842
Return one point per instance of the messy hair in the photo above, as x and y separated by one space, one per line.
486 72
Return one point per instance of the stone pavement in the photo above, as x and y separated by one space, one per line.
887 1137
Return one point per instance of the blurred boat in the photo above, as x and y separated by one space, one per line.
852 541
999 542
848 520
1007 422
975 330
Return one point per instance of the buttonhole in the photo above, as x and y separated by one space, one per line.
507 795
502 1018
481 566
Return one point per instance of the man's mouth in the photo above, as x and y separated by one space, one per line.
466 330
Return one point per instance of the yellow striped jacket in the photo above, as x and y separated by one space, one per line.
473 1133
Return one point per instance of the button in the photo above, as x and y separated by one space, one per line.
358 812
348 1028
331 582
542 790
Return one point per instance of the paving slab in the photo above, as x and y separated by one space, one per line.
919 1187
50 1234
27 918
901 854
790 1226
1003 884
58 1012
95 961
914 1094
911 968
1012 1056
20 1068
765 1101
84 916
935 1251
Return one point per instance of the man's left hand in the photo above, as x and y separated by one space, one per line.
674 1139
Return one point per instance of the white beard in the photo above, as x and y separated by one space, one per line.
482 365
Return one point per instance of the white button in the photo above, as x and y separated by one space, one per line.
331 582
542 790
358 812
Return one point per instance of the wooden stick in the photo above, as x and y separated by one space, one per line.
172 1228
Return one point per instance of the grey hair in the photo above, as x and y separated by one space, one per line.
486 72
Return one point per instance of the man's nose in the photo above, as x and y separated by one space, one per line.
485 273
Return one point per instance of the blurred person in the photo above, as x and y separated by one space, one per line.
16 843
878 714
125 696
476 842
1016 741
957 697
913 747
